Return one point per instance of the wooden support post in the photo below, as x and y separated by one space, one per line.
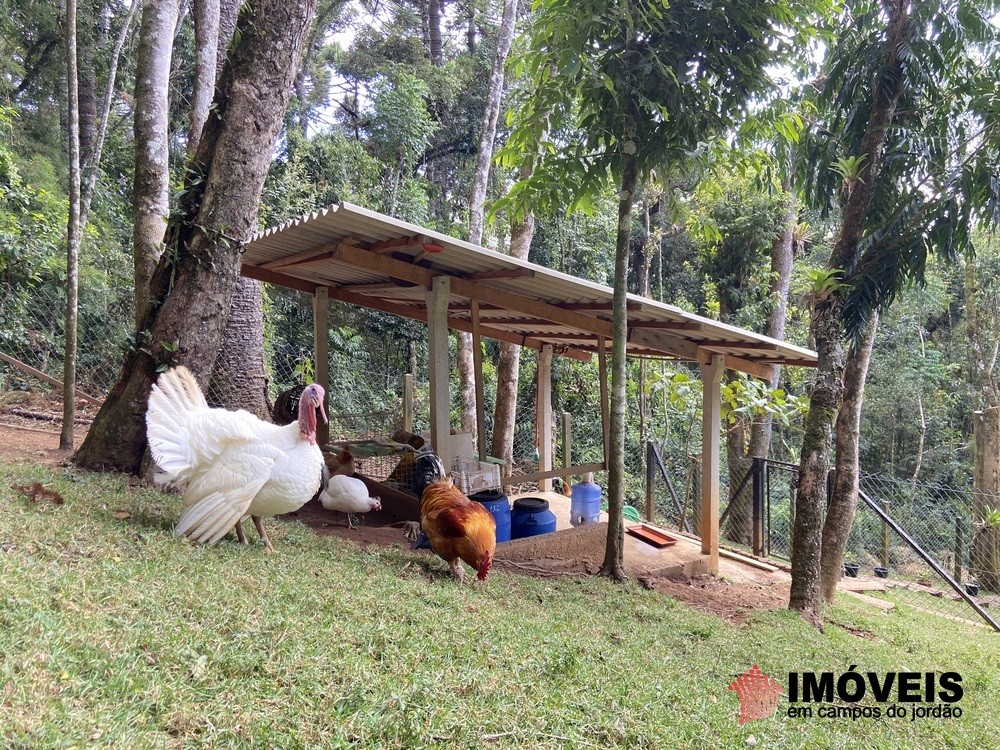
602 366
321 352
437 342
711 379
567 445
408 402
477 365
650 479
543 415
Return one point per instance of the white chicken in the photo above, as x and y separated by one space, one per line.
230 464
348 495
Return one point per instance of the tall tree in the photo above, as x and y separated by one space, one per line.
151 182
194 282
907 148
477 210
74 229
637 85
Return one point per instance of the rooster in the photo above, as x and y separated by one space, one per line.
457 528
348 495
230 464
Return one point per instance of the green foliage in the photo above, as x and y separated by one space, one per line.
678 72
936 182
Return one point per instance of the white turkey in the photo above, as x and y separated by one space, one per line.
231 464
348 495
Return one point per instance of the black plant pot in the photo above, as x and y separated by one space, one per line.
972 589
851 569
881 572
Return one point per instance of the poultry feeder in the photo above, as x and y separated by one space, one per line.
585 502
851 569
881 572
531 516
497 503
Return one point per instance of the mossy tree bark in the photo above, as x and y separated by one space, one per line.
193 285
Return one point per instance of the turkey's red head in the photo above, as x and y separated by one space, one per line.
310 400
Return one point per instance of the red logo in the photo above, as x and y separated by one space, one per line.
758 695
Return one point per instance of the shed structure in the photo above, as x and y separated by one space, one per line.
347 253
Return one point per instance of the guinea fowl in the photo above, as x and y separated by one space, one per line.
348 495
231 464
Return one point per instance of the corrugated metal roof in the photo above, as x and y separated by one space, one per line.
370 259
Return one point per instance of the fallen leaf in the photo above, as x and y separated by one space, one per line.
121 515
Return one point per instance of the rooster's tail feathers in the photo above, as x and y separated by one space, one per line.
174 396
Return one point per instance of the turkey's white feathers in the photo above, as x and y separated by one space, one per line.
229 463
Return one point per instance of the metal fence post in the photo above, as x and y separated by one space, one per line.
757 472
959 551
885 537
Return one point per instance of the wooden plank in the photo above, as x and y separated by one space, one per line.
750 366
440 370
279 279
669 325
48 379
396 243
477 365
563 472
711 378
753 562
408 402
321 354
543 414
502 273
882 604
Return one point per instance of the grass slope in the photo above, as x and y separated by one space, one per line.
115 633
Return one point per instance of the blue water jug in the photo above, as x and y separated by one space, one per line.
498 505
531 516
585 503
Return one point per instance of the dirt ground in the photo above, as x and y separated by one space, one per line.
29 433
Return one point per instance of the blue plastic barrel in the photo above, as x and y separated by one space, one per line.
531 516
498 505
585 503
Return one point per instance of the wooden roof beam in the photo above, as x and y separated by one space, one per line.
668 325
502 273
419 312
471 290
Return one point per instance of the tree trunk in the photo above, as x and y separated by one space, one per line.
614 556
206 67
825 399
782 257
150 189
844 500
194 284
509 362
984 553
434 31
86 50
477 200
239 375
738 521
73 232
488 132
239 378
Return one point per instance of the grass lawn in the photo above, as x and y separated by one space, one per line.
115 633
